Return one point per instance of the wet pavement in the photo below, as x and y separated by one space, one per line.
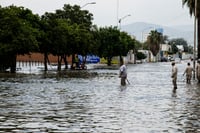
40 104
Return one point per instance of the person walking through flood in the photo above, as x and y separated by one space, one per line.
188 72
174 75
123 73
198 71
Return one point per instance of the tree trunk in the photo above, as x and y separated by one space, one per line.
84 59
109 60
121 62
45 61
73 58
65 60
13 64
4 62
59 62
83 66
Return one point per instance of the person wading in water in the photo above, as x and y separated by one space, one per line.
198 71
188 72
174 75
123 73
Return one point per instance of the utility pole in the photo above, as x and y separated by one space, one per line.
195 37
117 13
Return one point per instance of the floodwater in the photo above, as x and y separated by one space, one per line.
58 104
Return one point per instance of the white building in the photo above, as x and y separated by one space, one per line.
149 55
180 48
164 49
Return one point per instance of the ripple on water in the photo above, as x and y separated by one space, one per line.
34 103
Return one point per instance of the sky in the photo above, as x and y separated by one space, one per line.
108 12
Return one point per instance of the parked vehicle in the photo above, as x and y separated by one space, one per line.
164 59
170 58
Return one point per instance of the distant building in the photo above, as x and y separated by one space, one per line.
149 55
180 48
164 51
165 48
130 57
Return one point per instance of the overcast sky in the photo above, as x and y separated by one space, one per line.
106 12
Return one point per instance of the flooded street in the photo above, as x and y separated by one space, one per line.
39 104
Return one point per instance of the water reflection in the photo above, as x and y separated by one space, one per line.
59 103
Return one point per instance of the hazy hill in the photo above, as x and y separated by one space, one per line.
141 29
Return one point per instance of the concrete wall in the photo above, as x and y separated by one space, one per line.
38 57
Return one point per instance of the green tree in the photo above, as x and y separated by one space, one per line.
83 19
18 34
81 41
55 38
109 39
112 43
153 40
191 6
68 32
140 55
173 46
74 14
180 41
44 41
60 40
126 43
96 42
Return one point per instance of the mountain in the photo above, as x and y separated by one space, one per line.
141 29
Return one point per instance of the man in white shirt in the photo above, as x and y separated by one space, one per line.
174 75
123 73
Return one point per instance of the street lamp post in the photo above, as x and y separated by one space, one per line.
88 4
195 35
117 12
120 20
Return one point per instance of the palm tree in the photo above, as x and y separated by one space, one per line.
153 40
191 5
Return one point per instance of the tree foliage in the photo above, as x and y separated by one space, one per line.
191 5
154 39
114 43
140 56
174 48
179 41
67 31
109 40
18 34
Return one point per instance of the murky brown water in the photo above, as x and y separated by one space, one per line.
40 104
